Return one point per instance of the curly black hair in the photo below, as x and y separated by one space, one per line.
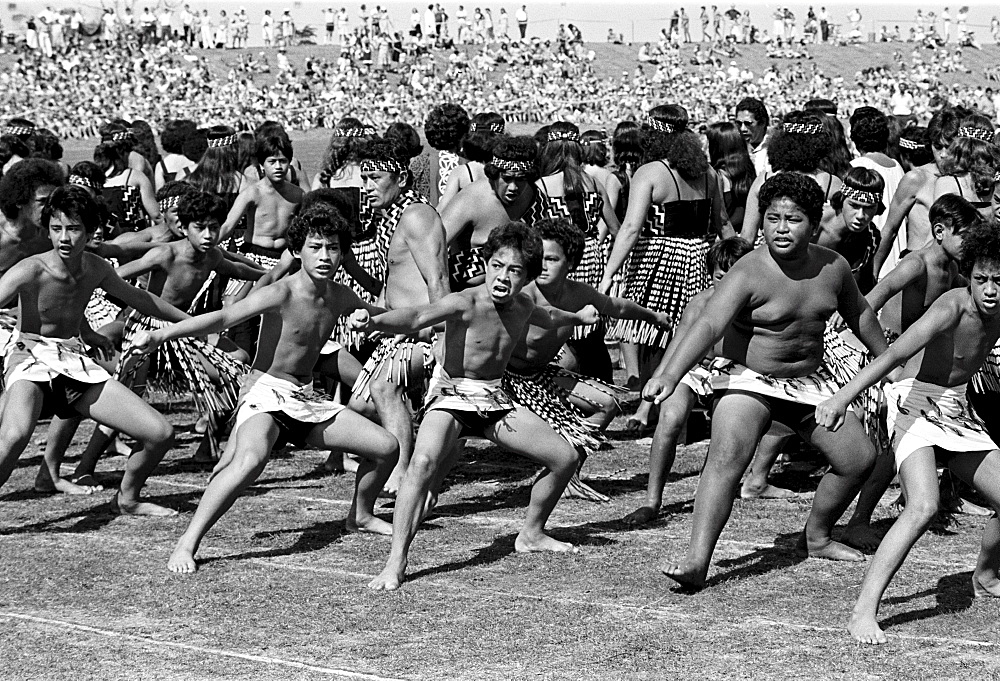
724 253
445 127
73 202
519 149
198 206
407 139
175 188
801 189
19 184
566 234
385 148
318 219
869 129
682 150
521 238
980 244
11 146
45 144
175 132
756 108
799 151
90 171
944 125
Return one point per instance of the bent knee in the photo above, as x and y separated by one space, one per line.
161 435
922 511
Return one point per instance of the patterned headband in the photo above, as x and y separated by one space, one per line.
981 134
218 142
385 165
804 128
660 126
168 203
860 195
17 130
996 177
350 132
81 181
909 144
121 135
513 168
587 143
497 127
559 135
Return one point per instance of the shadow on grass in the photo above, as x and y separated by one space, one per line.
97 517
783 555
953 595
313 538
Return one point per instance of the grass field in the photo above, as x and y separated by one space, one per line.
281 593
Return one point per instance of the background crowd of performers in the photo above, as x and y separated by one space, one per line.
774 269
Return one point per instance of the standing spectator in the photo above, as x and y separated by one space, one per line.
187 25
716 23
267 28
75 26
462 25
287 29
503 25
522 20
705 22
164 22
343 27
207 34
330 21
945 25
44 25
147 27
364 19
685 26
778 30
488 25
430 24
733 21
824 24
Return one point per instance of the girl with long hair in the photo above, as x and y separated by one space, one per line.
728 154
128 193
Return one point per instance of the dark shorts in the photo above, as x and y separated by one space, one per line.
60 395
291 431
475 424
254 249
792 414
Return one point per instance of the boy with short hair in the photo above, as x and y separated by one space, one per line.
930 415
179 272
482 326
902 297
277 400
47 367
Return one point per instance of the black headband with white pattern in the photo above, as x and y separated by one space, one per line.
860 195
563 135
219 142
513 168
81 181
168 203
909 144
17 130
121 135
660 126
385 165
981 134
804 128
350 132
497 127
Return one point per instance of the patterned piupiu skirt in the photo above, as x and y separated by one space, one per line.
371 257
663 273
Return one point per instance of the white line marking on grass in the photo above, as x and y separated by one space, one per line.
908 637
346 673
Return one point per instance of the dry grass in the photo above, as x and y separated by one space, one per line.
281 592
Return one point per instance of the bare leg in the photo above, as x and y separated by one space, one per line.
755 485
61 433
740 419
378 450
859 530
918 476
438 433
674 412
112 404
851 456
590 398
982 471
253 441
524 432
22 405
630 360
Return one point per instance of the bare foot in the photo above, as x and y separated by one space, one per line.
578 489
119 448
866 630
766 492
636 426
201 425
830 550
690 578
966 507
182 561
863 537
87 480
64 486
334 463
982 588
370 525
391 487
641 516
542 542
429 504
390 579
143 508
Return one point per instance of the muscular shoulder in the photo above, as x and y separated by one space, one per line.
419 217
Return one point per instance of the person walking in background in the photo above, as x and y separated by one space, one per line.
522 20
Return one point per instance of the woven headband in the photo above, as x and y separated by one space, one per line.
496 127
218 142
660 126
350 132
909 144
121 135
996 177
385 165
587 143
981 134
17 130
860 195
513 168
804 128
81 181
559 135
168 203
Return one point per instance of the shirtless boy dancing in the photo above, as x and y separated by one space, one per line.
47 368
482 325
277 400
930 416
770 311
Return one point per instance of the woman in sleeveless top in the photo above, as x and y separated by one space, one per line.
797 145
129 194
476 151
727 152
972 165
173 161
595 164
675 212
626 146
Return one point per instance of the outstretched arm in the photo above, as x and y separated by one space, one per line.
623 308
413 319
902 202
238 270
858 314
905 273
159 257
552 317
286 264
143 301
245 199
